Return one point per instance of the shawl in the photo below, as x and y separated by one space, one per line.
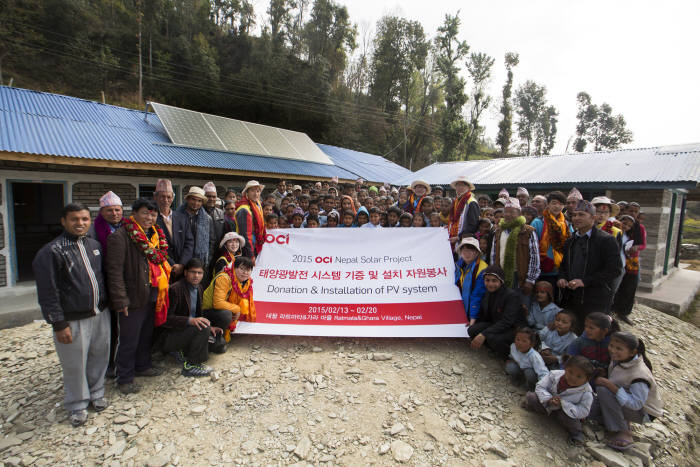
607 226
513 227
256 214
155 250
102 230
352 203
245 294
456 213
413 204
555 232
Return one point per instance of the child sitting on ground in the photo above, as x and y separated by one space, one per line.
556 341
542 309
593 343
629 393
566 395
525 361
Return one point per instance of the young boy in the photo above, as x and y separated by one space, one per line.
427 207
186 330
445 208
348 219
283 222
375 218
297 219
312 222
272 221
392 216
314 211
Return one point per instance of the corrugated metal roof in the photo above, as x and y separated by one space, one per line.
672 166
368 166
34 122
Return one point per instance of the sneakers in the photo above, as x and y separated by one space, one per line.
153 371
128 388
195 370
78 417
100 404
179 356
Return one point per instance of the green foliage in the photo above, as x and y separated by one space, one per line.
505 130
598 126
479 66
536 123
450 52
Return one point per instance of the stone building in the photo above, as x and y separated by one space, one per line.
661 179
57 149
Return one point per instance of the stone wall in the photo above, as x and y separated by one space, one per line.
90 193
656 206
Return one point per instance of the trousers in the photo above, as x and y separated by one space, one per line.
84 361
134 342
608 411
571 425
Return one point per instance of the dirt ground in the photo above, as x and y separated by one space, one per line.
332 401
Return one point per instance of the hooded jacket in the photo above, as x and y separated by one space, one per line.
575 402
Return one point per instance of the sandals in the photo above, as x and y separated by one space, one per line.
620 444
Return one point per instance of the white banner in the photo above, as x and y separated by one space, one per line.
396 282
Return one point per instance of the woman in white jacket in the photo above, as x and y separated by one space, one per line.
566 395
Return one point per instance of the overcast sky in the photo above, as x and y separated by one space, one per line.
641 57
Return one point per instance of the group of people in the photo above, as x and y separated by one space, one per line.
177 280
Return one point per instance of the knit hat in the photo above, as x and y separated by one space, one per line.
575 194
209 187
164 185
512 203
522 191
503 193
585 206
232 236
334 179
110 199
373 189
497 271
545 286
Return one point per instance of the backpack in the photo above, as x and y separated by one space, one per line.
208 295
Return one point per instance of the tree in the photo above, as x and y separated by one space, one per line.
536 120
450 51
598 126
505 131
329 35
479 67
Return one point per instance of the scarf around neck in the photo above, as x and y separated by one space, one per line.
456 212
514 228
258 222
155 250
555 232
245 292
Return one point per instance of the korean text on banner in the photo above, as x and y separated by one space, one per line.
357 282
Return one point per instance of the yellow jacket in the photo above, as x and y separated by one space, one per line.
227 298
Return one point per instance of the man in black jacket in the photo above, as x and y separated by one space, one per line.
176 228
73 299
590 265
186 331
500 315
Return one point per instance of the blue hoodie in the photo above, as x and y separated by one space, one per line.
362 209
473 289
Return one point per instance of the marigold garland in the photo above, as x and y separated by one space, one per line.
154 255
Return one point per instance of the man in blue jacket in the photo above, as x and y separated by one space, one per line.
73 299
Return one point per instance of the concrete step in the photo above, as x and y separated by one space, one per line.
675 294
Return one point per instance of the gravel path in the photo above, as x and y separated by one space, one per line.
333 401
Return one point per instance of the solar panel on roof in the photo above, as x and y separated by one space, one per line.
188 128
198 130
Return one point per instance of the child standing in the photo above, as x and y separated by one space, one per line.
566 395
375 218
362 216
524 360
557 338
593 343
629 393
406 220
542 309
